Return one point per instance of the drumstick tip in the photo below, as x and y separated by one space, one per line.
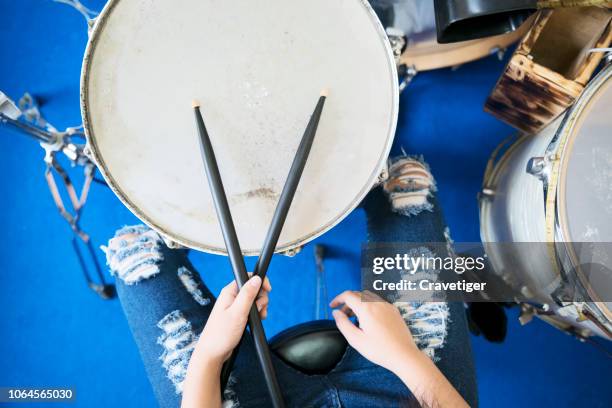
195 104
325 92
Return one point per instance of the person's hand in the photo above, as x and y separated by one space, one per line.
228 319
382 336
220 336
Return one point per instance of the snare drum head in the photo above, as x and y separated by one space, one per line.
586 169
257 69
585 189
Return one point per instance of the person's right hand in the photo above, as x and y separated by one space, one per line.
382 336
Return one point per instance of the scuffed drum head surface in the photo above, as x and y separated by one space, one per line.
257 69
586 199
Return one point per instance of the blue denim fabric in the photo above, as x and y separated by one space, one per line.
455 359
354 382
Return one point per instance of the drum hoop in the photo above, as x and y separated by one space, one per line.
568 133
439 56
90 49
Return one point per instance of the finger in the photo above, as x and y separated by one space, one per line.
351 333
350 298
342 297
264 313
261 303
267 286
227 295
263 295
246 296
347 311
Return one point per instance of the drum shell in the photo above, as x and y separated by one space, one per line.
513 210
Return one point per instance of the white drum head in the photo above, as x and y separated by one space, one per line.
586 172
585 188
257 68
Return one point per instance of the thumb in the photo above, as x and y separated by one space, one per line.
246 296
352 333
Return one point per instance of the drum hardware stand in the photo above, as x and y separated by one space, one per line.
53 142
321 297
398 42
88 14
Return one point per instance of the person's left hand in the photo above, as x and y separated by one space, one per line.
228 318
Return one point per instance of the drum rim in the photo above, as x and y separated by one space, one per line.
438 56
569 130
291 247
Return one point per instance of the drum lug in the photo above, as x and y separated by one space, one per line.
90 25
170 243
397 39
383 176
486 194
527 313
538 167
88 153
406 74
531 309
292 252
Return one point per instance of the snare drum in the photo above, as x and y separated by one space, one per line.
257 68
556 188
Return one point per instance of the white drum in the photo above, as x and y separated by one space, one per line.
257 68
556 188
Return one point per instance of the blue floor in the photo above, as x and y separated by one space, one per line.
55 332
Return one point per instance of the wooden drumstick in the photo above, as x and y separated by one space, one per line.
236 259
282 208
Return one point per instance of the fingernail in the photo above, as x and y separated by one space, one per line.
335 312
255 281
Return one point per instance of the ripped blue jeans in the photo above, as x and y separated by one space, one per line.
167 305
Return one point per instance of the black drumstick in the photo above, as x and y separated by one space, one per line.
282 208
286 197
235 256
